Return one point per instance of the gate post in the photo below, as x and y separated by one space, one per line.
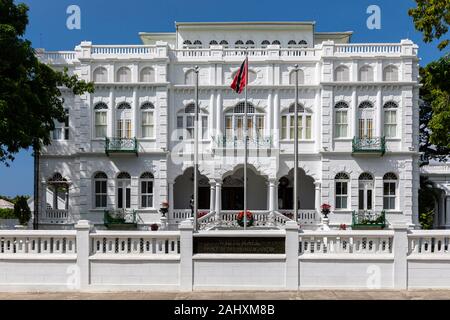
292 263
186 248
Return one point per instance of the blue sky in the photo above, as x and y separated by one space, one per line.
118 22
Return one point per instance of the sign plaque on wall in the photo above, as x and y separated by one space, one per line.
272 245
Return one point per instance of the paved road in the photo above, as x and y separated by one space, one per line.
237 295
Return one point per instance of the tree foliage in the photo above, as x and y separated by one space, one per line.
22 211
432 18
30 91
435 110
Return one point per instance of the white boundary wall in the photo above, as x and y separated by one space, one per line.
89 260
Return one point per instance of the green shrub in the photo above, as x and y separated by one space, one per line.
22 211
7 214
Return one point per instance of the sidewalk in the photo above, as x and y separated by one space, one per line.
238 295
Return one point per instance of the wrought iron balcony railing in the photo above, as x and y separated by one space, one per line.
375 145
231 142
368 219
121 145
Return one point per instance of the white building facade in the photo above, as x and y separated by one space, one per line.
129 145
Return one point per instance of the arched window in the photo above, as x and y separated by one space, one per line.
146 190
100 75
186 123
292 44
366 74
276 42
123 190
187 44
147 75
250 44
265 43
123 121
302 43
147 124
365 191
213 43
341 119
234 121
301 77
389 191
100 190
189 77
341 74
288 123
239 44
123 74
365 120
197 44
341 181
366 105
390 73
390 119
224 43
101 120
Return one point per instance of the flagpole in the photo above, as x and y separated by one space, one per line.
246 140
196 69
296 146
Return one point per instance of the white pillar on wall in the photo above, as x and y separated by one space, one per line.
212 195
276 118
379 114
112 114
317 195
272 195
219 113
354 114
218 198
135 114
269 126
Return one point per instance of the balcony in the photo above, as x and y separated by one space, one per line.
367 220
120 219
121 145
369 146
233 142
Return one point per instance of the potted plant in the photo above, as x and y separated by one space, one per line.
342 226
164 208
249 219
154 227
325 209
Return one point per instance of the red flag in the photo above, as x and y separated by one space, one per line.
240 79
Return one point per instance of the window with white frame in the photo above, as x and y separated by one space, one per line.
303 43
61 131
147 75
123 74
213 43
100 75
265 43
304 123
239 44
234 122
341 181
147 120
146 190
100 190
341 74
187 44
341 119
390 73
389 191
276 42
123 190
101 120
390 119
189 77
366 74
301 77
186 123
123 121
224 43
197 44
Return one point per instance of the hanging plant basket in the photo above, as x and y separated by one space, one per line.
249 217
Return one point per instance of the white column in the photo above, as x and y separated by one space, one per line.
292 262
317 195
269 129
400 250
219 114
218 198
135 115
212 201
271 195
112 114
353 114
82 238
379 114
276 121
186 249
171 202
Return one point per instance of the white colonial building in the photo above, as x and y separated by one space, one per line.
129 145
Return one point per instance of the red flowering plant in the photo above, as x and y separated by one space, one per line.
325 208
249 218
